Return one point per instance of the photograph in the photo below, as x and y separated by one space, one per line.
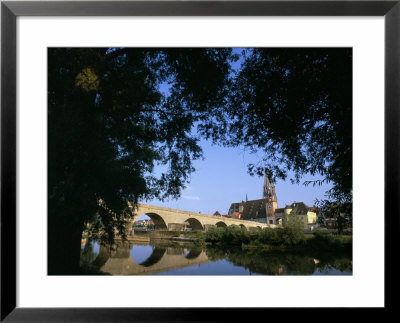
213 161
244 149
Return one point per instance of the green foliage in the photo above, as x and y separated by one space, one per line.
236 235
292 235
198 235
341 209
329 241
341 223
330 208
87 253
214 234
269 236
293 106
110 124
320 221
232 235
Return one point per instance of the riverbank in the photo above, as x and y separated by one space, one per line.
281 239
329 242
169 257
286 238
272 239
188 236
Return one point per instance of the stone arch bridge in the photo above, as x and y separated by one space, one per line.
174 220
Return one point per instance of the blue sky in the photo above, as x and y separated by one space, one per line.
221 179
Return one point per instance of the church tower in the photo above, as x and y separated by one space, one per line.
269 194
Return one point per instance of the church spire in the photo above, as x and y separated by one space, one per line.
269 187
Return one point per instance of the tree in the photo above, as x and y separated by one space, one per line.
110 122
341 211
320 221
294 106
293 230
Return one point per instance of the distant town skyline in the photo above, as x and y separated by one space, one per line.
222 178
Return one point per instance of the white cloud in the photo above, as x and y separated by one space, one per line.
187 197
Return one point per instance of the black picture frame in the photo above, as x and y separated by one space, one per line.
10 10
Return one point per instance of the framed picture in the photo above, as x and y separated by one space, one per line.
40 39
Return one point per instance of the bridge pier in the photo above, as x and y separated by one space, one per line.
176 227
208 226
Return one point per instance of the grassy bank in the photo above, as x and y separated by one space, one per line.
286 238
281 239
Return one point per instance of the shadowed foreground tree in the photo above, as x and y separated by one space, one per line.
294 107
343 212
109 124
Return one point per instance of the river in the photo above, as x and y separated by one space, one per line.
164 257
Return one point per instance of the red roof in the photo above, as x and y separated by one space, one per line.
236 215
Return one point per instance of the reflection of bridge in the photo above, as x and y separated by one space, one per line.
171 219
120 262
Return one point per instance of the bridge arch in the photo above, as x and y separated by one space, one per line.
155 257
158 220
242 226
195 224
193 254
221 224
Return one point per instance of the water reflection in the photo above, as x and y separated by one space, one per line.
172 258
285 263
140 253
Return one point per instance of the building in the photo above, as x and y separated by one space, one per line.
279 216
235 207
269 194
255 210
266 210
225 215
303 213
236 215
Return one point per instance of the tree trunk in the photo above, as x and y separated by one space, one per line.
64 246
